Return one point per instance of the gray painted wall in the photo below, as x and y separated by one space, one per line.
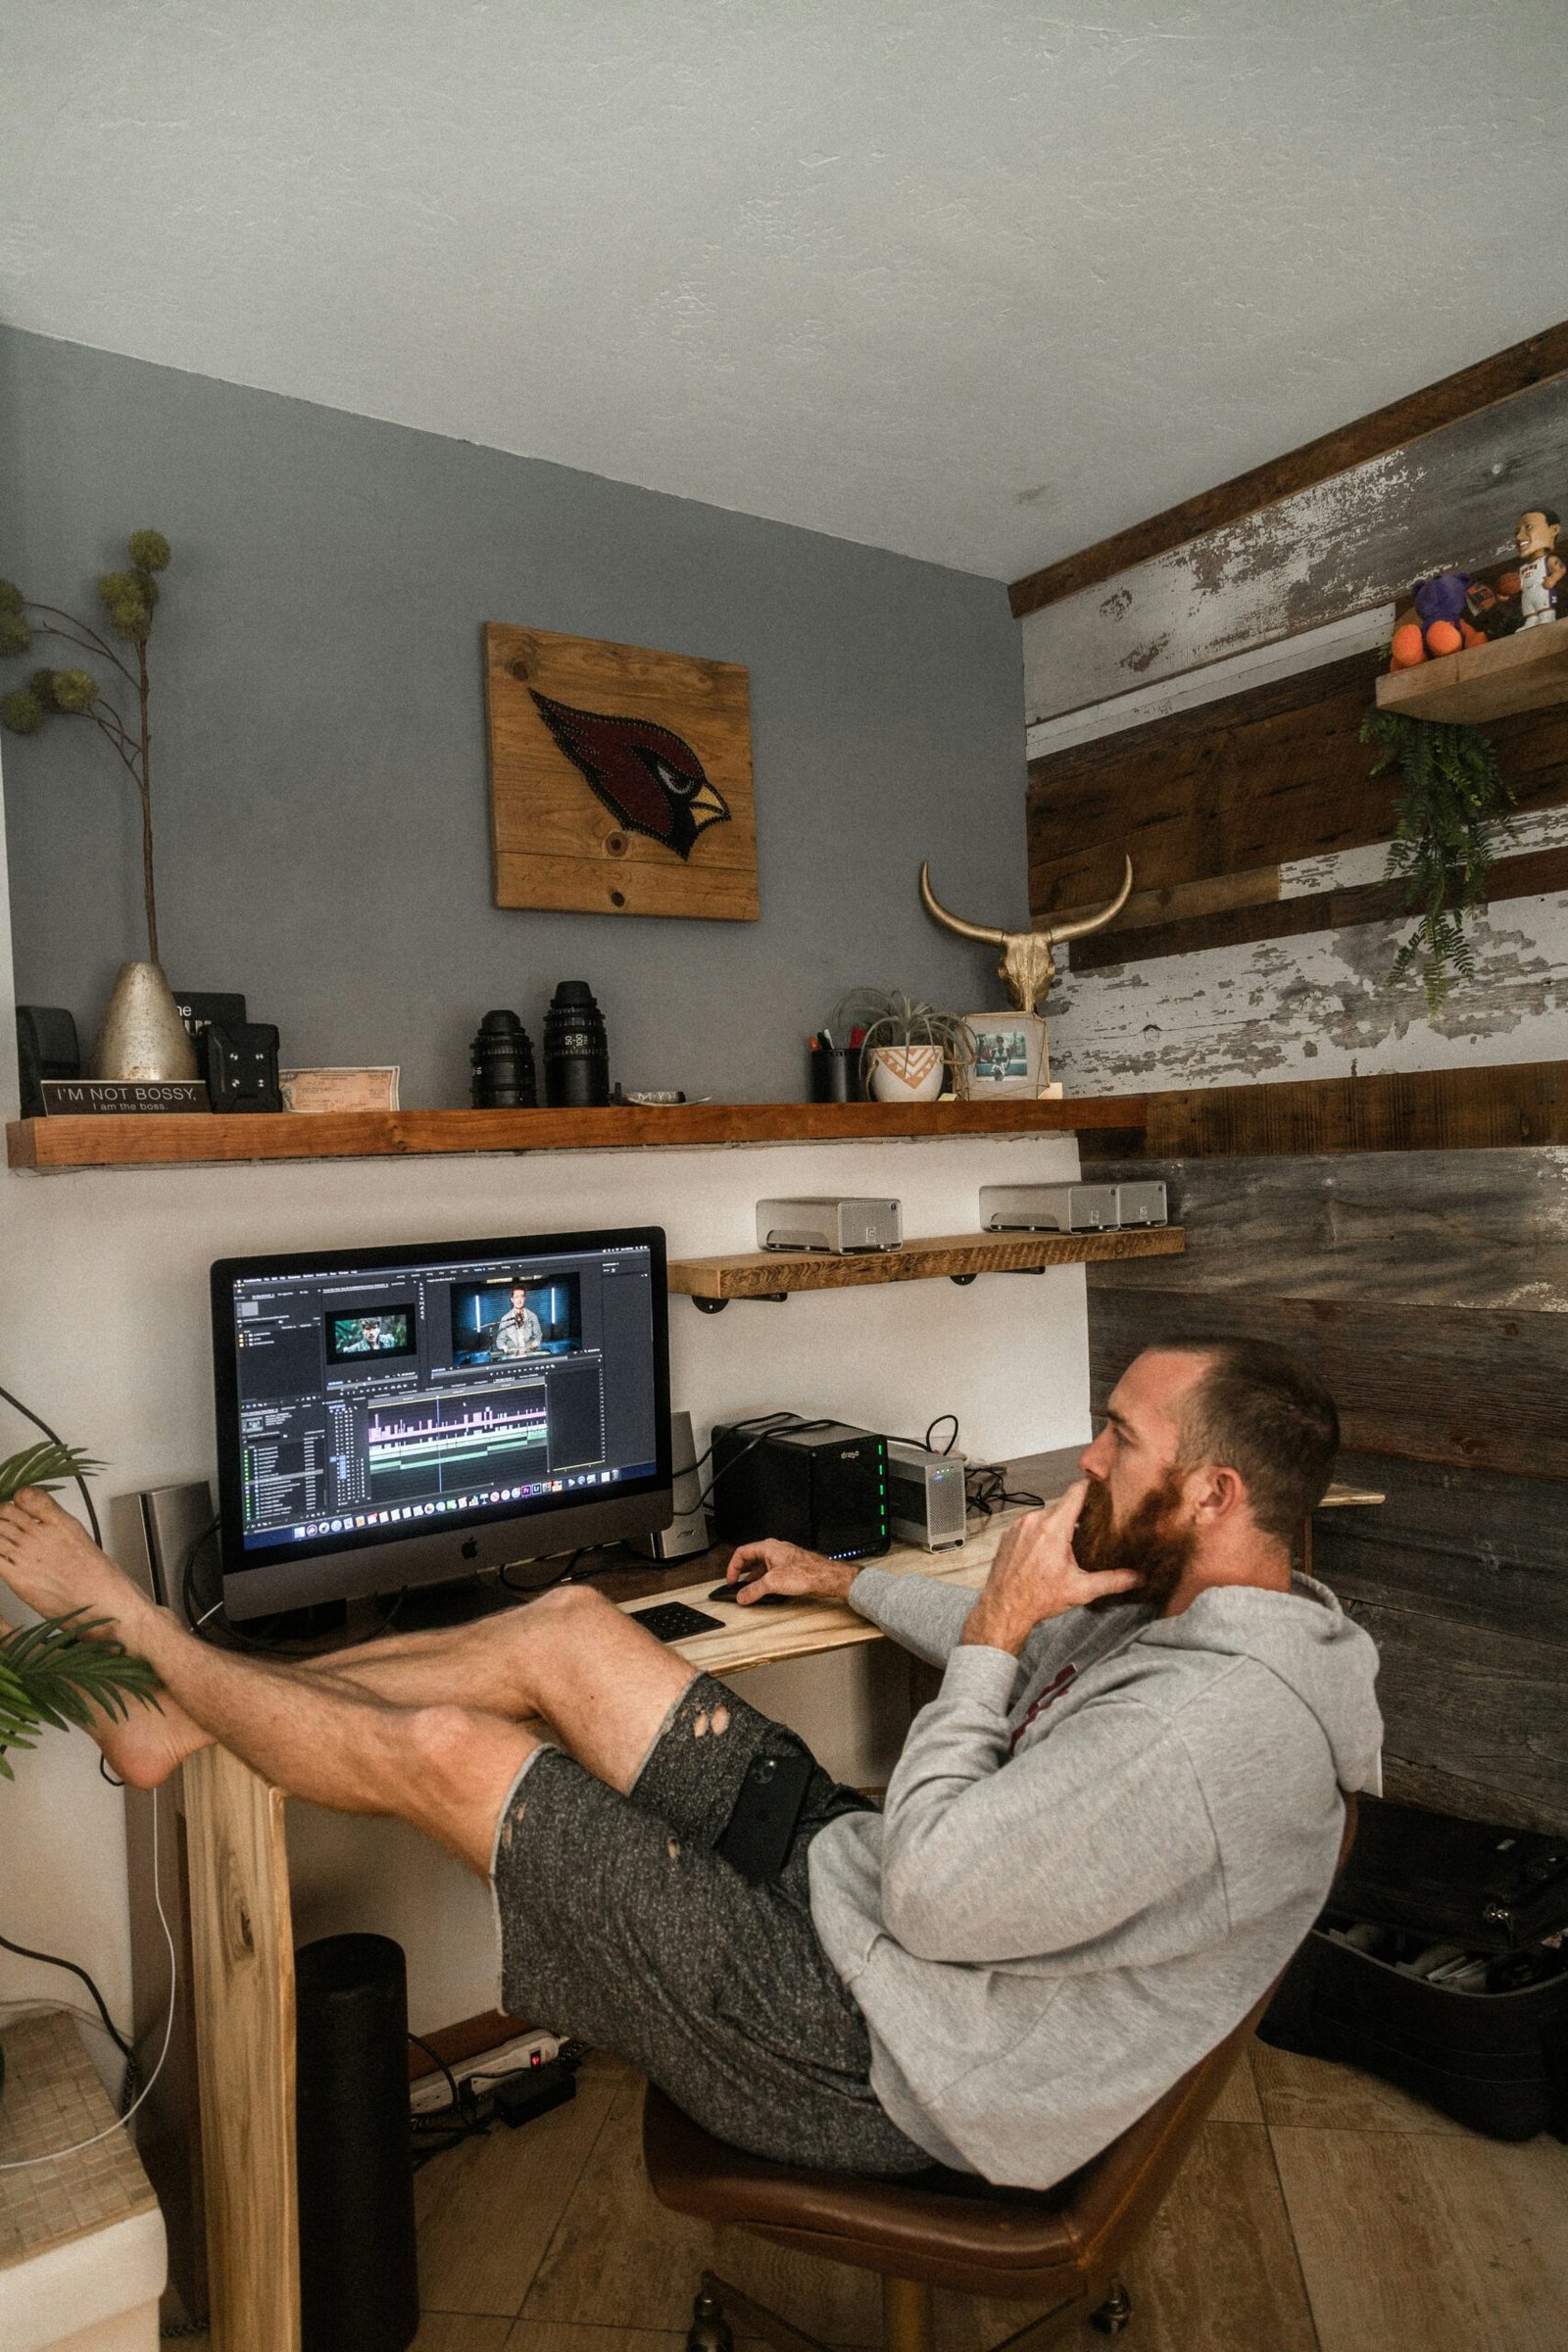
319 777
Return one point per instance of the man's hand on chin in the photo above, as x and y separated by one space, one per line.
1035 1576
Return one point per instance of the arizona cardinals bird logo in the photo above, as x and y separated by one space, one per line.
649 779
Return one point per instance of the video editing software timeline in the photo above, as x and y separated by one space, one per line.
377 1396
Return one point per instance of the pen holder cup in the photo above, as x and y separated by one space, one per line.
833 1074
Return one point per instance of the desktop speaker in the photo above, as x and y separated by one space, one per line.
179 1532
359 2274
687 1532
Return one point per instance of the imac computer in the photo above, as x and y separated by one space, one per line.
394 1417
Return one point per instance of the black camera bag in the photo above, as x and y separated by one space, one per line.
1475 1883
1496 2061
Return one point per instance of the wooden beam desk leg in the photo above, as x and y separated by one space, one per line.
243 1956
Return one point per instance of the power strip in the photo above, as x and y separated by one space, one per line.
429 2092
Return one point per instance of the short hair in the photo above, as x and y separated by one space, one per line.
1547 516
1262 1412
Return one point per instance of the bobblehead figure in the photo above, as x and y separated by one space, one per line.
1541 567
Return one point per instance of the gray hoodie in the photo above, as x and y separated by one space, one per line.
1093 1860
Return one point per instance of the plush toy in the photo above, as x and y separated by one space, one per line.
1442 622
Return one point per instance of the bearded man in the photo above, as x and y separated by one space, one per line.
1101 1842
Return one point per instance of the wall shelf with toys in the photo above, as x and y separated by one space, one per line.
1528 671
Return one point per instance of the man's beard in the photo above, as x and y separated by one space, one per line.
1149 1544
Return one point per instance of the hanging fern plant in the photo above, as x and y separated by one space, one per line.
1454 808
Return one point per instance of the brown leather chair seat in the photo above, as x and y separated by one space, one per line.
1061 2247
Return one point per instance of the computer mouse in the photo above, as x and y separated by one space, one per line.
764 1601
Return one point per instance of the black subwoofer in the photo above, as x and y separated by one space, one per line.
359 2273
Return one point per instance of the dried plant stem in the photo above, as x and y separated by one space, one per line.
88 639
130 598
144 787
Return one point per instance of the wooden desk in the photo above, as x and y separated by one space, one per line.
243 1947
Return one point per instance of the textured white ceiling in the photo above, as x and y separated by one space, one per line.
978 281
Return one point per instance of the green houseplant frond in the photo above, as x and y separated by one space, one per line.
1454 808
56 1673
47 1465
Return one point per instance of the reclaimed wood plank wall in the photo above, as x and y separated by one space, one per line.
1342 545
1431 1290
1261 935
1394 1201
1410 1110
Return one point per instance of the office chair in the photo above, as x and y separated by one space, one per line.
1062 2246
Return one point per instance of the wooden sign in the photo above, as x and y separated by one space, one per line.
620 779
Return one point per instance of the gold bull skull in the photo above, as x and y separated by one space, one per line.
1027 965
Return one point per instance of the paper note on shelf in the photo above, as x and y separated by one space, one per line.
372 1089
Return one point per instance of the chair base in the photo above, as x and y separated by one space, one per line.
1115 2311
906 2323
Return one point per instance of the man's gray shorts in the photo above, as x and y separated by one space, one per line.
623 1928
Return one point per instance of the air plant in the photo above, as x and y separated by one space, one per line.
62 1670
895 1023
128 598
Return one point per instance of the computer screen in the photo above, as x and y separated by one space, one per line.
398 1416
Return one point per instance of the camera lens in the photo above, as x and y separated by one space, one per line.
501 1066
576 1049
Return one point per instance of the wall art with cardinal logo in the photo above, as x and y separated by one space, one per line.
620 779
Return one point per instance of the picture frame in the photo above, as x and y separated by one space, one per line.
1012 1058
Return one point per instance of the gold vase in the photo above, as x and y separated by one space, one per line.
143 1035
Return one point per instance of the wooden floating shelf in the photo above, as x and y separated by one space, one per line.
1528 671
778 1273
163 1140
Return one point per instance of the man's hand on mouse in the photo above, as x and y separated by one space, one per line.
771 1566
1035 1575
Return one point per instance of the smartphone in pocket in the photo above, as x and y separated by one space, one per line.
760 1830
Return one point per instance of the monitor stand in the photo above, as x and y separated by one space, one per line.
428 1608
314 1622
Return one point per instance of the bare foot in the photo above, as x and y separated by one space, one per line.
152 1742
52 1564
56 1568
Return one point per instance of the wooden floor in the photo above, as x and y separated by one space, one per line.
1321 2211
